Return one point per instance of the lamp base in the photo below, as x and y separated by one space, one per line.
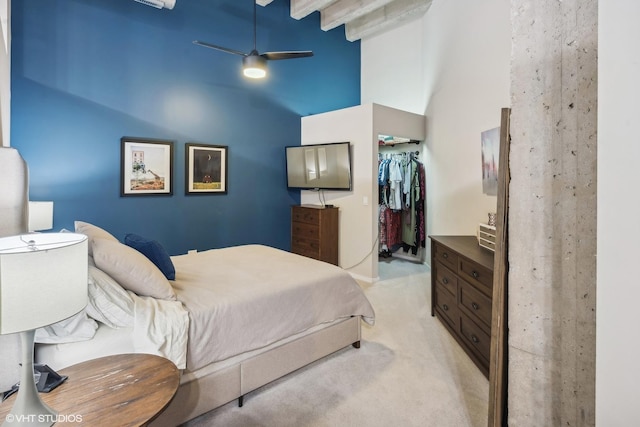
28 409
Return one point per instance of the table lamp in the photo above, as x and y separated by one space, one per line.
43 280
40 216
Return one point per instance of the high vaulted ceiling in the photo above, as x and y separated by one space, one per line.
361 18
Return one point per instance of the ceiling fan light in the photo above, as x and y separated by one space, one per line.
254 66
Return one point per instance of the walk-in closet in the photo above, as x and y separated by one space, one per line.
401 206
359 209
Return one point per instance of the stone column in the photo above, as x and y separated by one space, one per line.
552 213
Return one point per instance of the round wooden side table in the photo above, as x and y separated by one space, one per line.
118 391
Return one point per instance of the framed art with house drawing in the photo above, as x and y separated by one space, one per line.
205 168
146 167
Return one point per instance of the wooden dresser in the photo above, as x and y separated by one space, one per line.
314 232
461 290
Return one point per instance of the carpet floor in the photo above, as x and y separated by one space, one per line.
408 372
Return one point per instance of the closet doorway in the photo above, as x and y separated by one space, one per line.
401 207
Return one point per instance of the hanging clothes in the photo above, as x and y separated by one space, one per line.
413 226
390 231
401 202
395 185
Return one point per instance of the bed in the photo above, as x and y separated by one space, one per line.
232 319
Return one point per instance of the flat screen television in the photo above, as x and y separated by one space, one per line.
319 166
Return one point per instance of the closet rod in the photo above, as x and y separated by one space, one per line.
412 141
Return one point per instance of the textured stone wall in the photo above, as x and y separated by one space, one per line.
552 215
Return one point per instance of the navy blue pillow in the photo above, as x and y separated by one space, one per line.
154 251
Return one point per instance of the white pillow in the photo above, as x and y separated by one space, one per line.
92 232
76 328
131 269
109 303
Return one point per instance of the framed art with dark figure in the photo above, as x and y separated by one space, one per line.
146 167
205 168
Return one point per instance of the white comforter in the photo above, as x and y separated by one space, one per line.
246 297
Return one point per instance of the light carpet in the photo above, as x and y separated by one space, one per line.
408 372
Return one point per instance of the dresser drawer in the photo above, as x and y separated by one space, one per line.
309 216
307 247
446 307
446 278
476 339
477 276
305 230
476 304
446 257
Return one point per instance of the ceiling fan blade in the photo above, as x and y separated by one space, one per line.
220 48
287 55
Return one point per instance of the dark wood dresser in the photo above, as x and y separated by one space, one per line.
461 291
314 232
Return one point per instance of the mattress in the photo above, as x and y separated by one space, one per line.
247 297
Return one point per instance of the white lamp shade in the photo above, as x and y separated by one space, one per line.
43 279
40 216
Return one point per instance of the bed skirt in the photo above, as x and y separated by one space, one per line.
207 389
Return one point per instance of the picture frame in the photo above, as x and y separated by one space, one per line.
490 150
146 167
206 168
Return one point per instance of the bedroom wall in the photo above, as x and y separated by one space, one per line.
452 66
618 213
352 124
87 72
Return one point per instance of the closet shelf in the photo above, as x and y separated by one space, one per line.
390 141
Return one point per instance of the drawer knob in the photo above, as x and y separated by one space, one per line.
445 255
475 274
445 307
475 306
474 339
445 280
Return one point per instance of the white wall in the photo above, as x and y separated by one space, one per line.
452 66
356 221
618 290
392 69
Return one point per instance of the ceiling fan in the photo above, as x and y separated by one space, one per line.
254 64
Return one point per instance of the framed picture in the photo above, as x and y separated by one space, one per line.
205 168
146 167
490 155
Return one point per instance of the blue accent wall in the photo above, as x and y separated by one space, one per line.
85 73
